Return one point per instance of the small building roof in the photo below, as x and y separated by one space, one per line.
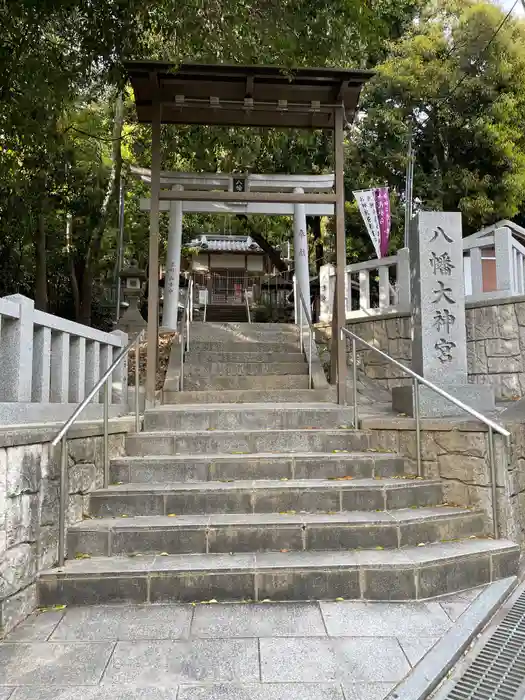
217 243
235 95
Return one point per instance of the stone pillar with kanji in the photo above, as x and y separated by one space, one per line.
439 342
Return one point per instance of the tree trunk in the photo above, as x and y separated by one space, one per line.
41 263
86 287
274 255
72 269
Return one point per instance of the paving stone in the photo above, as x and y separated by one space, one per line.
384 619
37 627
94 693
121 622
367 691
263 691
167 663
338 659
455 605
455 610
415 649
263 620
43 663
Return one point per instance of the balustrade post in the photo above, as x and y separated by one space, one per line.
59 392
16 351
77 362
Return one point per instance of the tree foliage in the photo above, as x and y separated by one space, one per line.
67 122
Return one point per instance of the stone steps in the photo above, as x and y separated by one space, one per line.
247 441
413 573
194 368
235 417
260 496
256 532
244 345
247 396
267 382
214 467
207 356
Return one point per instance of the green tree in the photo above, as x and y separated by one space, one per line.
458 77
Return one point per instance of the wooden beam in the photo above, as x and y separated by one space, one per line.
153 262
340 247
275 197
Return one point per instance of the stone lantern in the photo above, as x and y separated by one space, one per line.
131 321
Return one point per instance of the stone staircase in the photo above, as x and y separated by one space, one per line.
242 362
256 501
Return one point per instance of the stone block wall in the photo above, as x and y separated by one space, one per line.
391 334
495 346
29 503
456 453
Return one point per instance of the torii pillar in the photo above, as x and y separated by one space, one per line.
171 286
300 245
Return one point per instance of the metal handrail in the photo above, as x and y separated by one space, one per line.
303 310
417 380
61 436
185 331
247 306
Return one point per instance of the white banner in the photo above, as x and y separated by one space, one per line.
367 206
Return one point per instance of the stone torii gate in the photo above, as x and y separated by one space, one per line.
254 96
235 183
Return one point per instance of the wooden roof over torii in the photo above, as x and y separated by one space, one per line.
253 96
234 95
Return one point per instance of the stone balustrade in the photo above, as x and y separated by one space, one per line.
494 268
49 364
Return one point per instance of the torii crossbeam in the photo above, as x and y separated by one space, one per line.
208 182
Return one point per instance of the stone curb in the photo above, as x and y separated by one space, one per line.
433 667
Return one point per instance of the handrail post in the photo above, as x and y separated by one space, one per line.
354 381
301 344
418 425
492 465
137 384
310 382
63 502
105 448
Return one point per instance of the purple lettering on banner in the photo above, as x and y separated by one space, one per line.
384 215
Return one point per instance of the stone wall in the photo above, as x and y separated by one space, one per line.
456 453
29 502
495 346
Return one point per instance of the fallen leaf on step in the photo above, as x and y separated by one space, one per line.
284 478
342 478
81 555
164 554
379 547
422 544
213 601
266 600
339 600
51 608
172 515
124 515
284 550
